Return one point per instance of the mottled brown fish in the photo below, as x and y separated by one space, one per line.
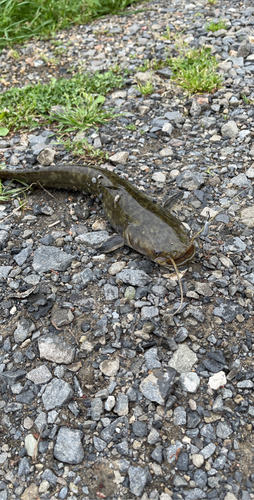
143 225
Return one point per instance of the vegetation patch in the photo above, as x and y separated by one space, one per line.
195 70
74 103
145 88
216 26
153 64
84 150
9 191
20 20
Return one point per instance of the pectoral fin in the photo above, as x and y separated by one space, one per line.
173 200
112 243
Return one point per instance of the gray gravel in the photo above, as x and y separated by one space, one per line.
103 393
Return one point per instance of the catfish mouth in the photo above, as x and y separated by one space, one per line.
181 260
186 257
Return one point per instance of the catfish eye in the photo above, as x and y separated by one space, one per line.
157 252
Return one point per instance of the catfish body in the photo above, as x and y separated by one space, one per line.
140 223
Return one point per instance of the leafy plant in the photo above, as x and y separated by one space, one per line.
51 60
84 150
209 172
195 70
213 26
131 126
60 50
4 131
82 117
146 88
77 96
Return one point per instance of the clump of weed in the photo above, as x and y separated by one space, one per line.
131 126
153 64
84 150
216 26
146 88
9 191
20 20
83 116
79 98
167 35
195 70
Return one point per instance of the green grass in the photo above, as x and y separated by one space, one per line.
131 126
84 150
167 35
79 100
146 88
8 192
195 70
83 116
246 100
22 19
153 64
212 26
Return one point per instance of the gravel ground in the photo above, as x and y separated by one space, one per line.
103 393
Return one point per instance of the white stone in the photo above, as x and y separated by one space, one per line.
208 210
226 261
110 403
247 216
99 225
250 171
3 457
145 76
46 157
230 496
30 493
197 459
159 177
119 94
39 375
44 486
167 128
28 423
53 349
156 469
229 129
174 173
217 380
117 267
183 359
166 152
30 444
110 367
120 158
189 381
86 346
192 404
